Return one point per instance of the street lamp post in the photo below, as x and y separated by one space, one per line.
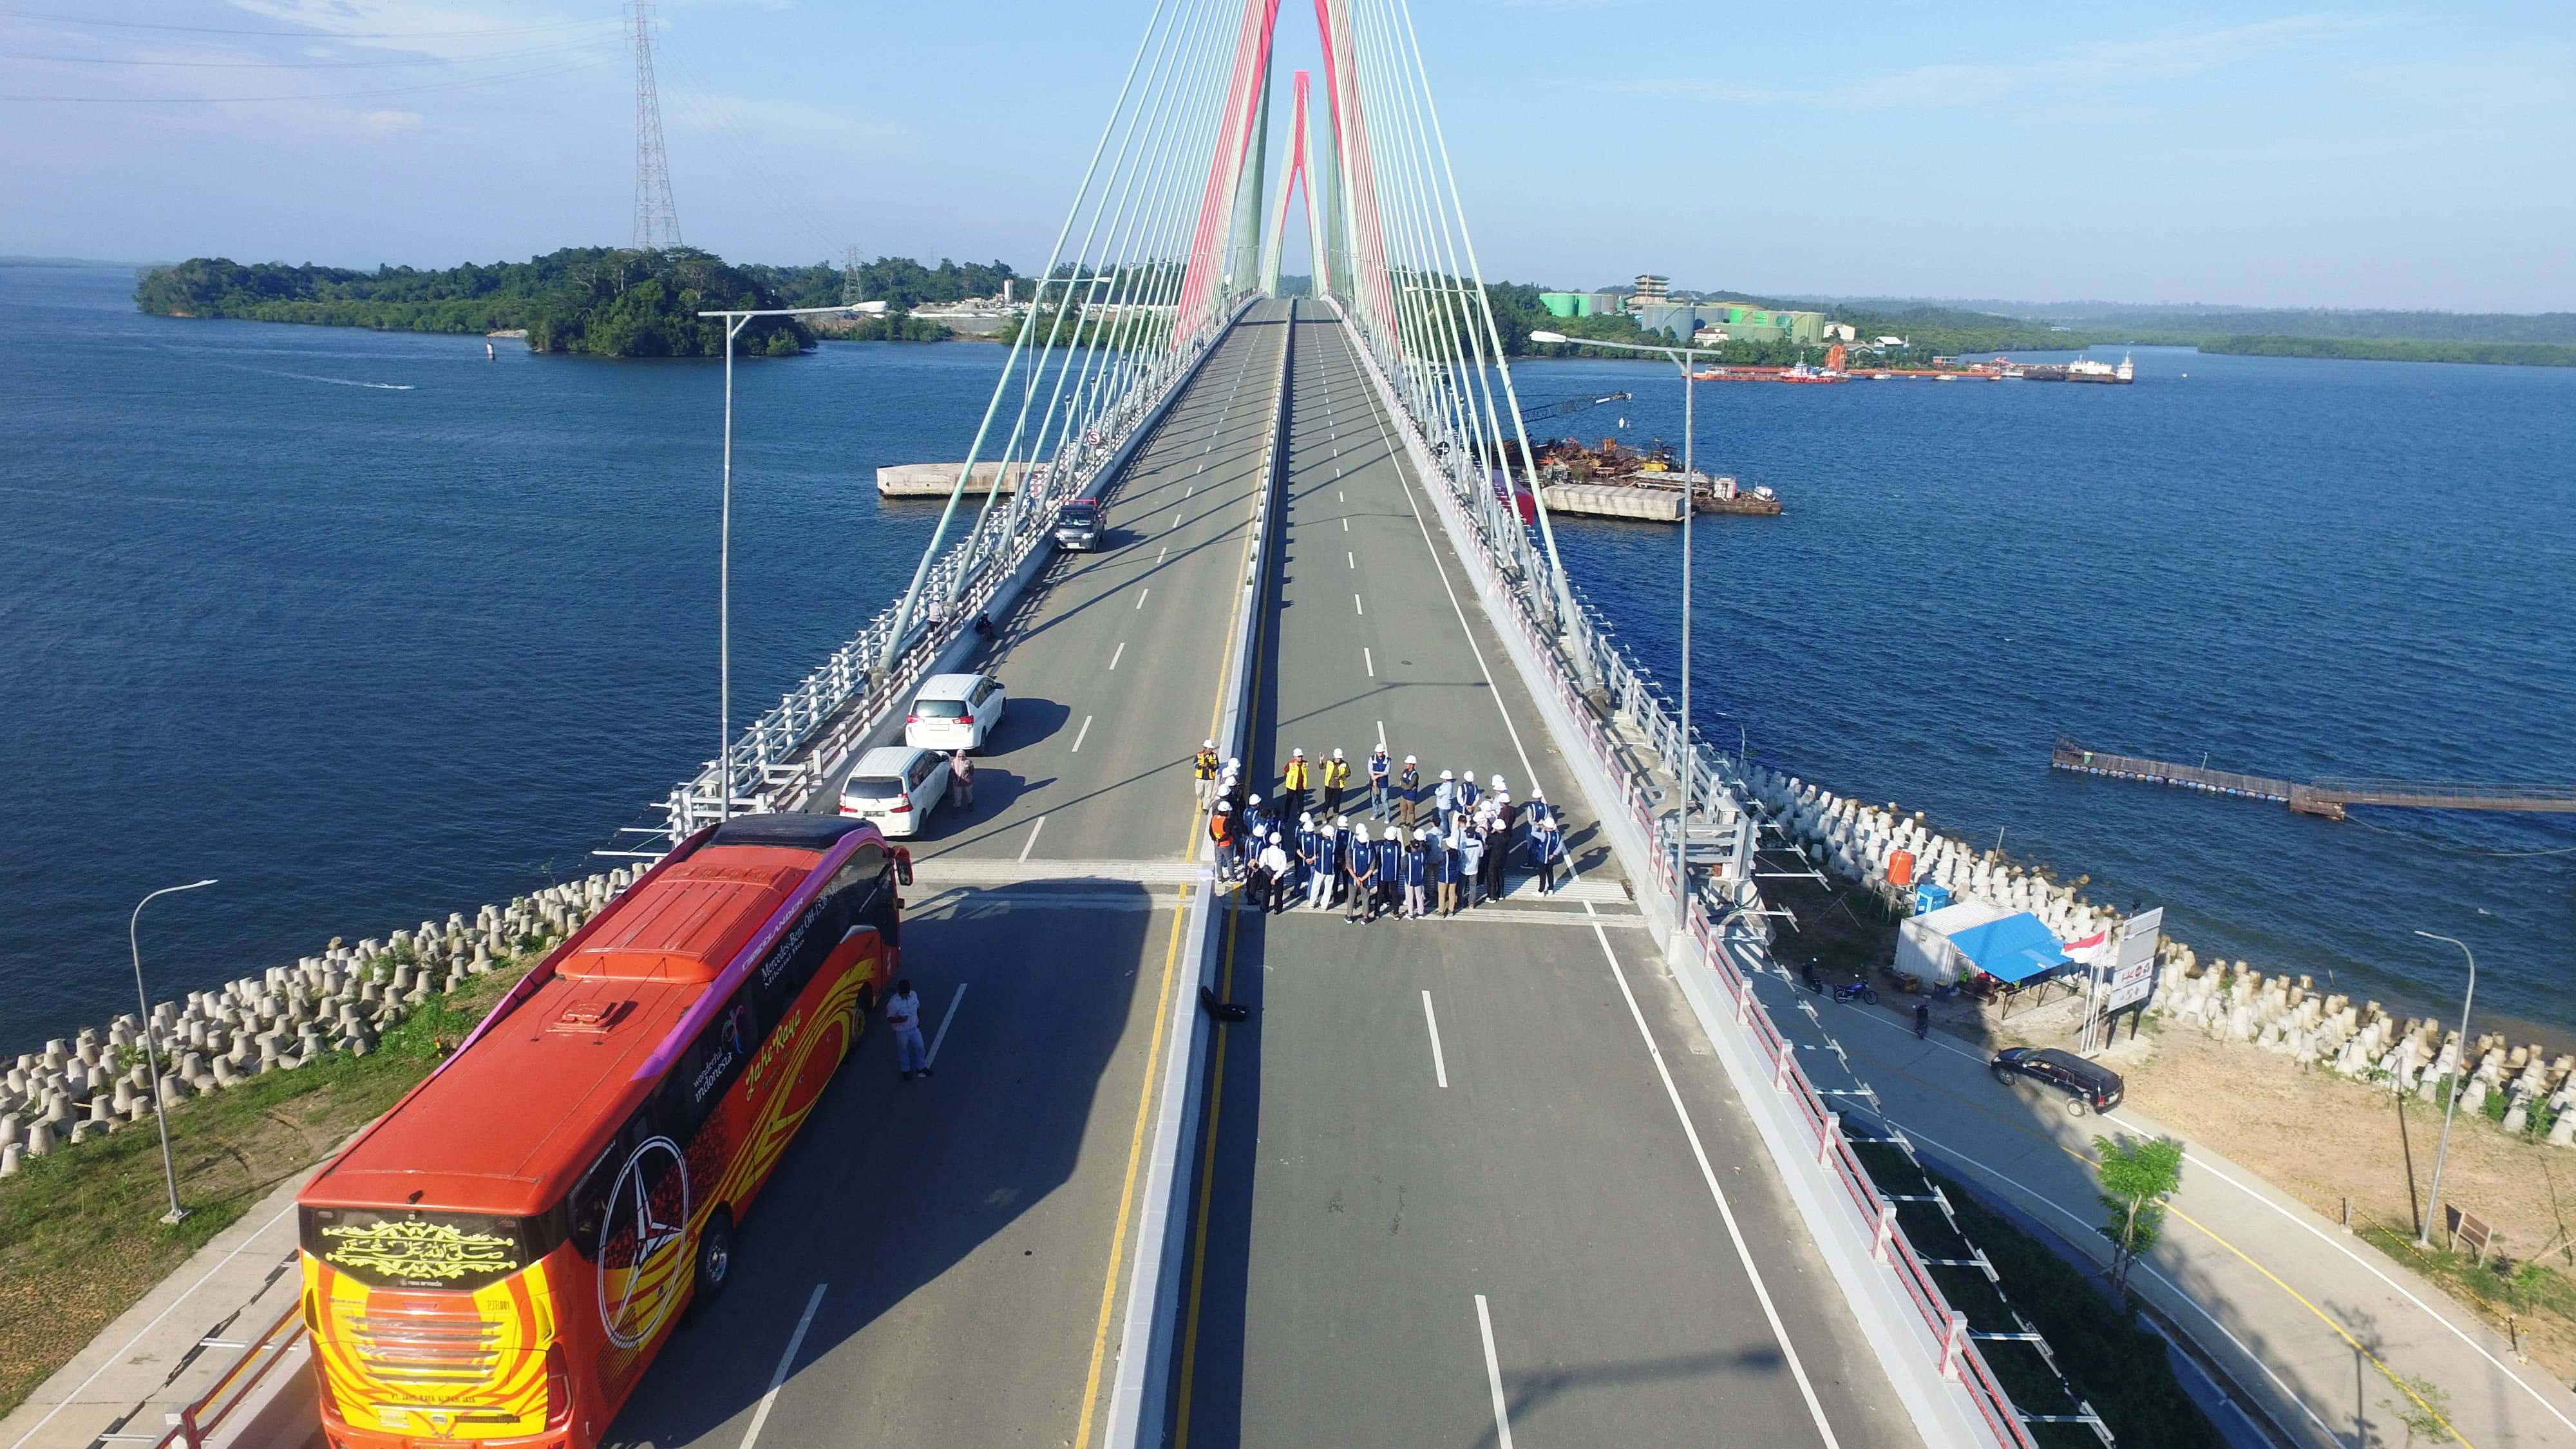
735 321
1687 360
152 1058
2433 1199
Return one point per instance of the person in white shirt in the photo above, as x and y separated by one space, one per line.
903 1018
1274 867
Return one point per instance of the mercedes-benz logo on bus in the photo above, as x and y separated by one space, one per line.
644 1236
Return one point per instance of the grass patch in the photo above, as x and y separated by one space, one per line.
80 1231
2521 1292
2110 1359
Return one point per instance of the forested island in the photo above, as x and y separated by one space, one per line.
603 301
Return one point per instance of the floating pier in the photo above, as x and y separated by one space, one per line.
934 480
2327 798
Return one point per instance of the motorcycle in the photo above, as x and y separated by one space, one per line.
1857 991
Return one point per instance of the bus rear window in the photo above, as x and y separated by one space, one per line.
416 1249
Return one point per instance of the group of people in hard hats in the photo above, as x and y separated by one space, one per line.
1440 848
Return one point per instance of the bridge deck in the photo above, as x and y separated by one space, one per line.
958 1230
1358 1208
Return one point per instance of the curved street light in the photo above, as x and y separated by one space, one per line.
151 1058
1686 359
735 321
2433 1199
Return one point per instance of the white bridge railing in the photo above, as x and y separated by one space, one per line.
779 760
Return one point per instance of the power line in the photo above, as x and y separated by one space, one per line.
302 64
304 34
460 85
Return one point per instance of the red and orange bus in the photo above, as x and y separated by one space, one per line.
498 1260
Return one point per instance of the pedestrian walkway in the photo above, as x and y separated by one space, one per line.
171 1347
2311 1324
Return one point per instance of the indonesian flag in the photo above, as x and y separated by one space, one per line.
2090 949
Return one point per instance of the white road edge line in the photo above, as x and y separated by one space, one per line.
2204 1165
786 1361
954 1002
1032 842
1770 1312
1080 735
1494 1376
1439 1063
1708 1174
1114 653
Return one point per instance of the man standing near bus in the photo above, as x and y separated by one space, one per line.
903 1018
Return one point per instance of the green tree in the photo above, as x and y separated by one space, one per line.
2137 1175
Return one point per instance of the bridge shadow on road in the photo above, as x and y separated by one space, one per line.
955 1227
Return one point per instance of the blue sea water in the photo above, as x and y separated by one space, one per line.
2296 567
373 629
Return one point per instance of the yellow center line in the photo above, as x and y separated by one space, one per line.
1154 1059
2302 1300
2403 1387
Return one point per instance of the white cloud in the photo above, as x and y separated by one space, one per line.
390 120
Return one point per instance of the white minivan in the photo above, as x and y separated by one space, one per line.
955 712
896 787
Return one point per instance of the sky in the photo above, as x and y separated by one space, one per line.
2407 157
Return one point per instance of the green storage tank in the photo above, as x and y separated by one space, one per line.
1563 304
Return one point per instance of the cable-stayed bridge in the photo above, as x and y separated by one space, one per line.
1541 1170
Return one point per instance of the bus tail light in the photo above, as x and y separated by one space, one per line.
558 1388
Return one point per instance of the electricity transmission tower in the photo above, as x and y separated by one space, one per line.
850 278
657 221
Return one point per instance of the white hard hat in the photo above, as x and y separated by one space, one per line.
1447 775
1361 829
1502 794
1223 806
1538 794
1233 762
1498 782
1274 837
1337 754
1254 800
1410 760
1342 822
1306 817
1422 834
1297 754
1207 744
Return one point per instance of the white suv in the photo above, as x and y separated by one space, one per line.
896 787
955 712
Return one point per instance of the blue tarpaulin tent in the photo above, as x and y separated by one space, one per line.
2015 948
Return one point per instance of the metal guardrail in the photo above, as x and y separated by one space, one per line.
1872 1214
203 1419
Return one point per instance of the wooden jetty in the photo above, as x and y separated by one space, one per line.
2327 798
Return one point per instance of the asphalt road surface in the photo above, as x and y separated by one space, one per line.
1479 1180
933 1264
